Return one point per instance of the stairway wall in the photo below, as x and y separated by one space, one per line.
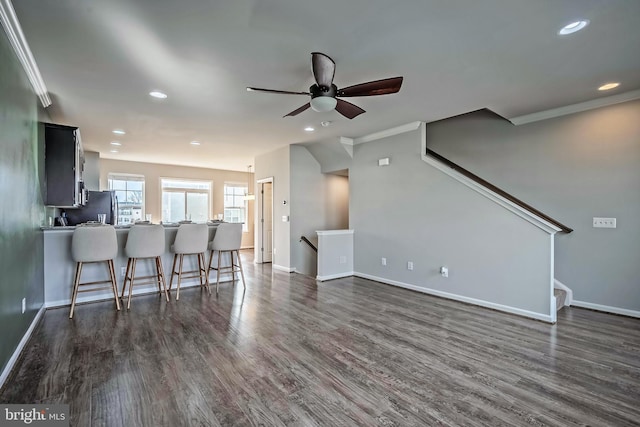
410 211
318 202
573 168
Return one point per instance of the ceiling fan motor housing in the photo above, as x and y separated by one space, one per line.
317 91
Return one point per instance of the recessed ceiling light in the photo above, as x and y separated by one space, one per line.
158 94
573 27
114 151
609 86
309 129
325 124
195 143
118 131
115 143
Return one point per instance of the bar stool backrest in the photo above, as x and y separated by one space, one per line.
94 243
145 241
191 239
228 237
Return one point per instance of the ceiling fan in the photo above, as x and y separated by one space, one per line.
324 94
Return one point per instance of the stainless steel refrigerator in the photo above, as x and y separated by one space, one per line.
98 202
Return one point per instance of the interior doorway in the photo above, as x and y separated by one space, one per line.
265 221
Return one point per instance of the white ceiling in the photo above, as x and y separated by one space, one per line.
99 60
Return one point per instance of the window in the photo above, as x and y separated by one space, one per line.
185 200
235 206
129 191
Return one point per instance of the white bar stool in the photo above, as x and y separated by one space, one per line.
144 241
228 239
91 244
191 239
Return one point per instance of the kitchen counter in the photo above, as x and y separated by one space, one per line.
119 227
59 268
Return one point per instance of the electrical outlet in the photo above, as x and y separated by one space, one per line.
343 260
604 222
24 305
383 261
444 271
123 271
409 265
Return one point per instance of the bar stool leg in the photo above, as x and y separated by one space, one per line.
157 275
233 269
204 272
161 276
133 275
218 272
76 282
173 270
209 265
200 270
114 283
179 277
241 271
126 276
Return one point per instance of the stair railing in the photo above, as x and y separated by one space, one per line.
497 190
308 242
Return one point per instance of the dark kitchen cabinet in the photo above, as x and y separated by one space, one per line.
64 164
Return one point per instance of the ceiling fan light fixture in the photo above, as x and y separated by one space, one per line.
322 104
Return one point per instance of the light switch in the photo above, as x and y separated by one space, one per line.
285 218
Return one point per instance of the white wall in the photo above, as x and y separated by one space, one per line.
276 164
410 211
315 201
91 174
336 202
572 168
153 172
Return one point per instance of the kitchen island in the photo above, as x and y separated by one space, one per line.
59 267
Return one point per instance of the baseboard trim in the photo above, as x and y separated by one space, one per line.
334 276
606 308
498 307
281 268
23 342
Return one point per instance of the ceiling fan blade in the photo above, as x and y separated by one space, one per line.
282 92
323 69
299 110
378 87
348 110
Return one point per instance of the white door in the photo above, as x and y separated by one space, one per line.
267 222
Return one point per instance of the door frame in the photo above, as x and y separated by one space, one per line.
259 229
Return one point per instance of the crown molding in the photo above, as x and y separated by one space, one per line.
20 46
576 108
386 133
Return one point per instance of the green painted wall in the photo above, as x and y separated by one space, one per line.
21 203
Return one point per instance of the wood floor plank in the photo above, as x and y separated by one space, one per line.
290 351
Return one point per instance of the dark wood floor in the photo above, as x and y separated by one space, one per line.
291 351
